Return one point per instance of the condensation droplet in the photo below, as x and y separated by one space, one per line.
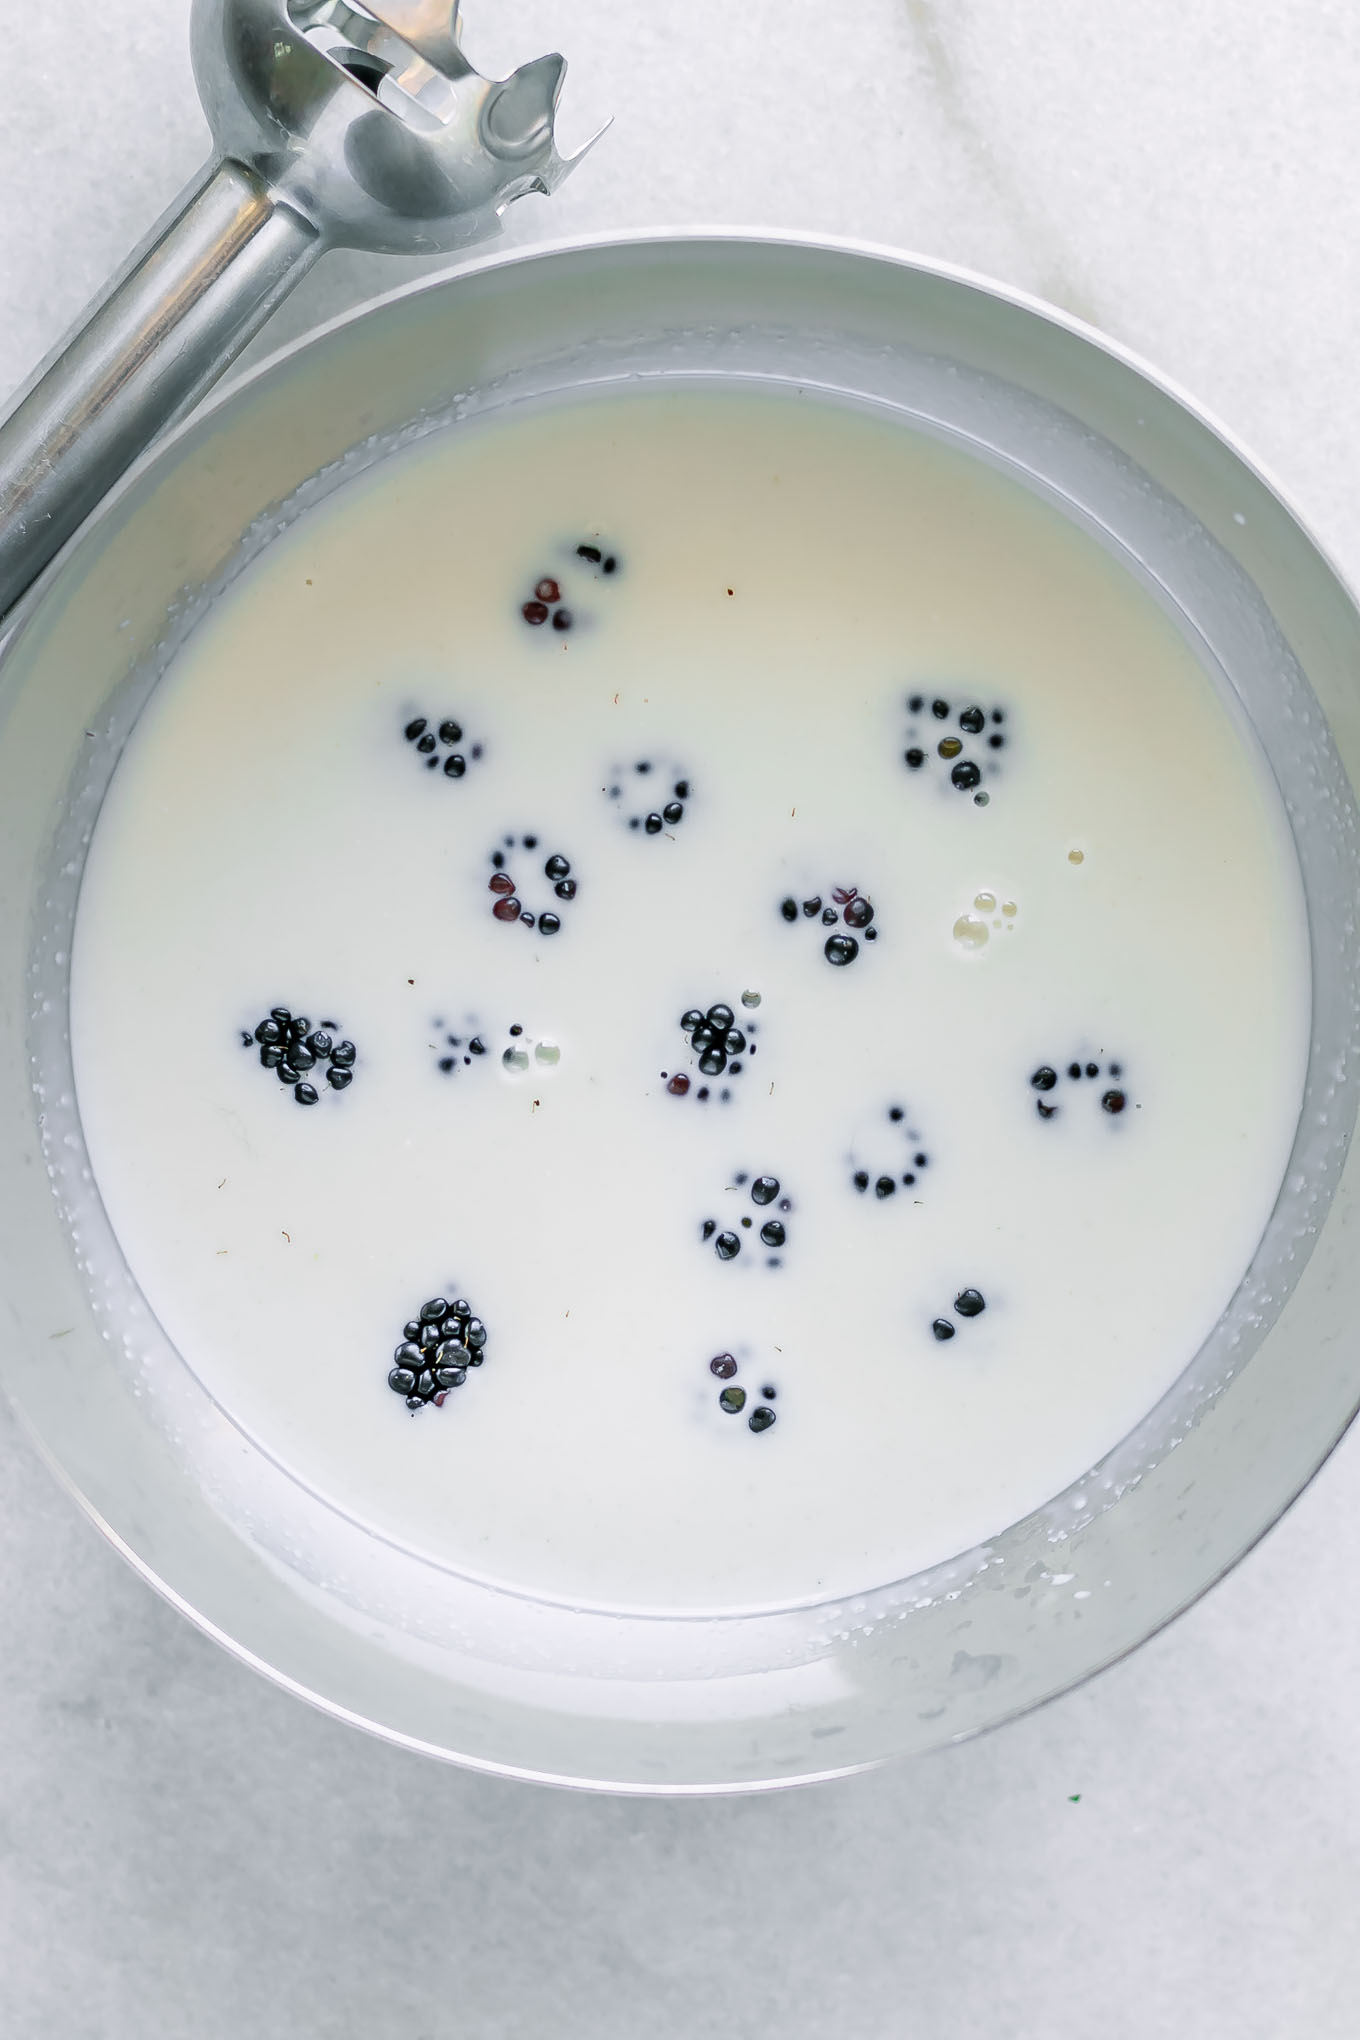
548 1052
985 903
971 933
1076 856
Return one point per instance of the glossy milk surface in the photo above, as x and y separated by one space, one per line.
790 576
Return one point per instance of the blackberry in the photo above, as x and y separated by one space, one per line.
295 1052
440 1344
427 742
653 820
509 906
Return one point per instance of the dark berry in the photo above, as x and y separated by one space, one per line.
829 917
611 565
1046 1111
281 1014
973 720
563 619
678 1085
723 1365
653 825
433 1312
455 767
939 709
407 1355
858 914
896 1114
734 1041
713 1062
761 1419
475 1334
301 1056
299 1028
305 1094
861 1179
765 1189
772 1232
1074 1069
884 1187
591 553
727 1246
267 1033
917 703
320 1043
1093 1069
1114 1101
287 1074
547 590
812 907
720 1016
915 758
501 882
689 1021
415 729
1044 1078
673 813
733 1400
841 949
507 910
789 909
271 1057
402 1379
965 775
548 924
995 741
565 889
942 1328
709 1227
450 733
343 1054
535 612
557 867
970 1303
428 743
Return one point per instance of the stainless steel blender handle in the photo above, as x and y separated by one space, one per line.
336 125
193 296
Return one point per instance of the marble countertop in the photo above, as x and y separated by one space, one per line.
1175 1848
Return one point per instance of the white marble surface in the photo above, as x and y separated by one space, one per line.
184 1851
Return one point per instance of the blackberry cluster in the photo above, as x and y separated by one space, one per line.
427 742
969 1303
732 1399
765 1191
848 905
548 603
1045 1081
438 1347
508 906
969 755
669 811
297 1052
885 1183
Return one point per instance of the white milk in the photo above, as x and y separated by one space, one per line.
789 575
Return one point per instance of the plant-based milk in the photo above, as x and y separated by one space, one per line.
768 716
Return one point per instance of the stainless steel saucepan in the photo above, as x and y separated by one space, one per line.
341 122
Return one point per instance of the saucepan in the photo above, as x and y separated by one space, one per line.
374 1635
